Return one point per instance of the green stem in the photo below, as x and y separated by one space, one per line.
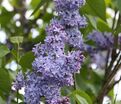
18 66
74 77
17 97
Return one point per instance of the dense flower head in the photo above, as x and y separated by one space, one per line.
19 83
54 41
89 49
55 28
73 19
68 10
103 40
60 67
39 49
109 38
53 68
73 62
75 38
54 65
48 49
63 100
70 5
98 59
38 87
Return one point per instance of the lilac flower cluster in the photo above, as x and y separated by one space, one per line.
102 40
99 59
19 83
53 68
68 10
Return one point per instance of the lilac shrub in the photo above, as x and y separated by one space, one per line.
53 68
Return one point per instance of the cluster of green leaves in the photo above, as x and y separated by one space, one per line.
20 42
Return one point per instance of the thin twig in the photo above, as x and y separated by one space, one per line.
114 20
10 97
105 89
113 84
107 59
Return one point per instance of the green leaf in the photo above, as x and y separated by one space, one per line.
5 17
92 20
47 17
118 29
26 61
107 2
5 81
16 39
111 94
2 101
81 97
16 3
88 80
96 7
119 5
22 103
103 26
3 50
34 3
42 2
14 53
81 100
0 63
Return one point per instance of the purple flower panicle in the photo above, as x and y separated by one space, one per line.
102 40
53 68
19 82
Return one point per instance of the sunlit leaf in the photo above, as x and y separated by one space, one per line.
17 39
2 101
119 5
82 97
5 81
5 17
3 50
26 61
42 2
103 26
95 7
